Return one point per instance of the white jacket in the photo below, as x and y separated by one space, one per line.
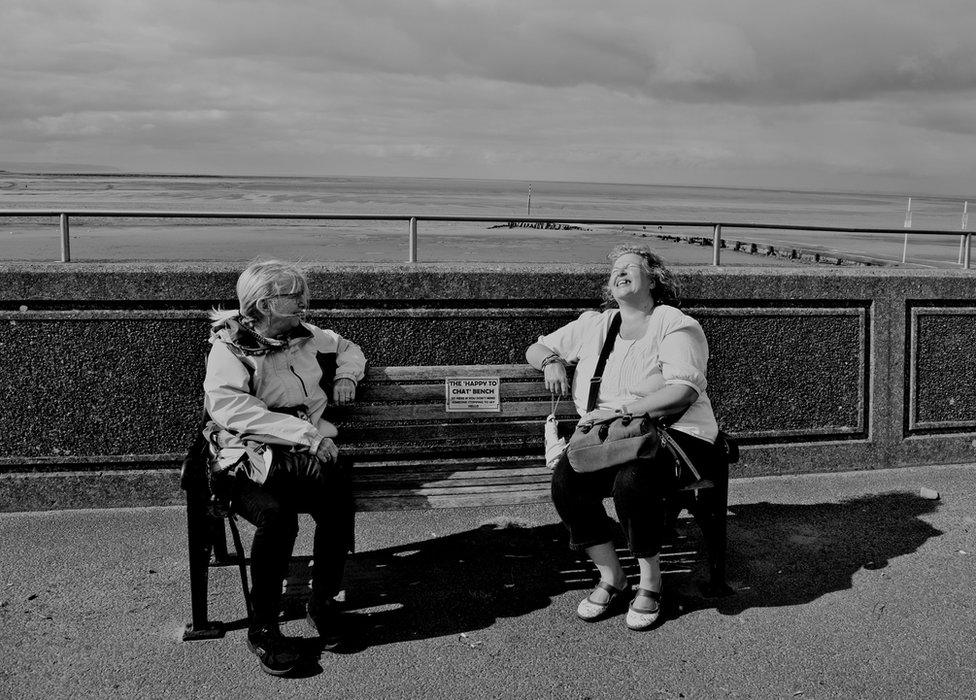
259 394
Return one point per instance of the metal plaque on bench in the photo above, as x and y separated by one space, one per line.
472 394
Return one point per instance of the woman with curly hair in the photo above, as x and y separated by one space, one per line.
657 367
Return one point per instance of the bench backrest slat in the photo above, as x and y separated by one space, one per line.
429 372
433 391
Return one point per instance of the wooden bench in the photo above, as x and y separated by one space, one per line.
408 452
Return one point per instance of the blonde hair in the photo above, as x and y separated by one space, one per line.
666 289
263 279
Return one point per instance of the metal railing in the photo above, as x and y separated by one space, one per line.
716 227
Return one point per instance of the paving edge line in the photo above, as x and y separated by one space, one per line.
853 473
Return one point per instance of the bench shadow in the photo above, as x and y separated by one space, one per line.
779 555
454 584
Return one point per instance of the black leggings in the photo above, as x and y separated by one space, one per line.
640 491
295 485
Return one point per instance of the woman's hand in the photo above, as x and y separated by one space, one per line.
552 367
556 379
327 453
344 391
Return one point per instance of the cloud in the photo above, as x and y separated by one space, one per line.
695 50
753 50
696 91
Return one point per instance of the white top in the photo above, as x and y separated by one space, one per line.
674 349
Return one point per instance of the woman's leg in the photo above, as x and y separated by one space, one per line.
324 491
578 499
604 556
330 503
274 538
650 573
640 493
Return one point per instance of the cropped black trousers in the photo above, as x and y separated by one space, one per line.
640 491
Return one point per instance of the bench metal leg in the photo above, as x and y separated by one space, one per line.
199 545
711 513
242 566
218 539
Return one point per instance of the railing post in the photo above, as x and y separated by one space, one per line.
65 239
965 257
716 244
412 255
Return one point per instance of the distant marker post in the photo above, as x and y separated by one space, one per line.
908 224
65 239
965 224
528 204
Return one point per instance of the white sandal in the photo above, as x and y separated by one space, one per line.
640 618
590 611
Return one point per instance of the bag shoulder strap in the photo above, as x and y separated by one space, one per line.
602 362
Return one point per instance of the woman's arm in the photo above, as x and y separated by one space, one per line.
552 366
684 358
673 398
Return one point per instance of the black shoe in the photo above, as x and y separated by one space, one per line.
326 621
274 653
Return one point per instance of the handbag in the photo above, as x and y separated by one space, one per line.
606 438
555 445
612 440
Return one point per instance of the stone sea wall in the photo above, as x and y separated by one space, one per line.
813 369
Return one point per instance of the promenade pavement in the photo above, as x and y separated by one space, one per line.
848 585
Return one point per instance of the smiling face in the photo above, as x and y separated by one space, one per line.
629 279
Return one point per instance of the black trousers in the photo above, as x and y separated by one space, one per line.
296 484
640 491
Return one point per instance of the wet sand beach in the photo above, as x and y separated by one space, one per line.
172 239
344 241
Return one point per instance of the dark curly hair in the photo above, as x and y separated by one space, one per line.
666 288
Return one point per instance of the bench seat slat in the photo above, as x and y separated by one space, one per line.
381 501
453 481
436 412
444 490
374 452
461 463
472 434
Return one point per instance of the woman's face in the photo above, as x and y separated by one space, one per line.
628 278
287 309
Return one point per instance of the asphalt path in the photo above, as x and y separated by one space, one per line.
847 585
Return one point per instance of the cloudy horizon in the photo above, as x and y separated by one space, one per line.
856 95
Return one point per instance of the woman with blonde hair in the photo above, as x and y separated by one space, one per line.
266 392
656 367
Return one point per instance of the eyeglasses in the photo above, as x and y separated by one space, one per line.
628 266
294 296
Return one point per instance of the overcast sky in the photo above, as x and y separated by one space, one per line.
875 95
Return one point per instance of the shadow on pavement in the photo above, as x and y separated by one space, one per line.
779 555
786 554
457 583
